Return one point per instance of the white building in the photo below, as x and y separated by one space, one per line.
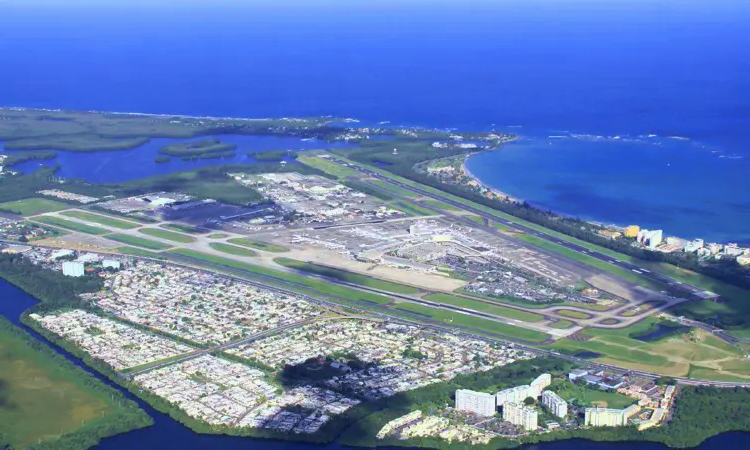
516 394
519 414
60 254
475 402
694 245
109 263
541 382
650 238
555 404
72 269
733 250
606 417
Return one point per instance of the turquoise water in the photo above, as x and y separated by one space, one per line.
688 189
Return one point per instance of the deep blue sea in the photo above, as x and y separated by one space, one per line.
538 68
535 67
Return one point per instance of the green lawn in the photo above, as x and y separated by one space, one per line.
32 206
218 235
477 305
134 251
319 287
474 218
43 399
573 314
258 245
75 226
232 249
168 235
439 204
394 189
326 166
587 396
137 241
183 228
413 209
476 323
347 276
561 324
102 220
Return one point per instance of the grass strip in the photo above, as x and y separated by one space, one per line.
477 323
75 226
319 286
258 245
478 305
102 220
168 235
137 241
232 249
349 277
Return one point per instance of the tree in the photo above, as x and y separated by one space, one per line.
528 401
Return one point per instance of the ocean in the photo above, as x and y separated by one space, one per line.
611 68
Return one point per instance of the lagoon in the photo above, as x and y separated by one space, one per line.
128 165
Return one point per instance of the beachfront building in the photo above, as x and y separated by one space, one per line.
632 231
540 383
475 402
72 269
555 404
515 394
650 238
519 414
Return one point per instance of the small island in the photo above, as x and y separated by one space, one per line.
200 149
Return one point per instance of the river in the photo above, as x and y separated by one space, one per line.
167 433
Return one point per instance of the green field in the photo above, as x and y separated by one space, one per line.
43 399
32 206
397 190
478 305
326 166
75 226
232 249
349 277
137 241
676 353
439 204
476 219
168 235
101 220
561 324
573 314
589 397
413 209
320 287
258 245
134 251
183 228
476 323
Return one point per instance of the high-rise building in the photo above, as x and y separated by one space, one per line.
555 404
650 238
73 269
541 382
475 402
519 414
606 417
514 394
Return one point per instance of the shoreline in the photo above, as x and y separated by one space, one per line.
502 195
